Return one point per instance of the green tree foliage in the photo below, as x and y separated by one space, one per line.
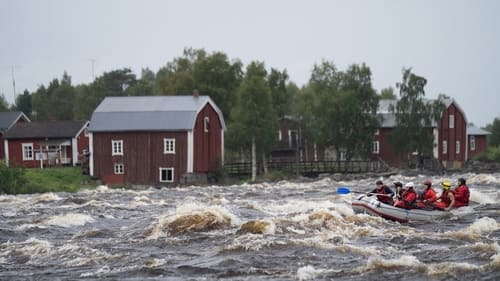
359 111
41 101
143 86
282 99
414 116
387 94
111 84
254 121
86 101
211 74
494 129
318 104
12 179
216 76
63 100
176 78
55 102
4 105
494 153
23 103
338 109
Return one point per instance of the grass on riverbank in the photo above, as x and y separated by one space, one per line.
69 179
60 179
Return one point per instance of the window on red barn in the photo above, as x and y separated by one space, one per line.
27 151
118 168
168 146
117 147
166 174
472 143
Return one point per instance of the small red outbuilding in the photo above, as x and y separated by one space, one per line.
46 143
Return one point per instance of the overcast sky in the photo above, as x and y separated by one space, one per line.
455 45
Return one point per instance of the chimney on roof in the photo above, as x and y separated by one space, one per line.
196 93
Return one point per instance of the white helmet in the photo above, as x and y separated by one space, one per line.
409 184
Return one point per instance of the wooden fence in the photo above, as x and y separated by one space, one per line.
307 168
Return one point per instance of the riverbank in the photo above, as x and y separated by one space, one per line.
70 179
28 181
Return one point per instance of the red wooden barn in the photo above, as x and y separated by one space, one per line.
292 145
155 140
478 143
451 142
7 120
46 143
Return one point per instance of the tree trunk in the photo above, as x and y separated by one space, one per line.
264 163
254 161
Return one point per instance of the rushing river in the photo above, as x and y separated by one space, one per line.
266 231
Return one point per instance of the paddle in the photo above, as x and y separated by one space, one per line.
345 190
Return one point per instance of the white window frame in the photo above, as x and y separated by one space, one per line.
457 147
116 147
119 169
280 135
342 156
451 122
166 169
28 151
376 147
206 123
445 147
168 146
472 143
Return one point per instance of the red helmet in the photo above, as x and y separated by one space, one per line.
428 182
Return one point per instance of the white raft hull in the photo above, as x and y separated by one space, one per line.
370 205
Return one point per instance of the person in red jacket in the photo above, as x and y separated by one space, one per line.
408 198
447 199
462 194
383 192
428 196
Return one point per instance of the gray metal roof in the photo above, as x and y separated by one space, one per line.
149 113
7 119
475 131
46 129
389 118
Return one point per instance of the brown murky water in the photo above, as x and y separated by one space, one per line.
268 231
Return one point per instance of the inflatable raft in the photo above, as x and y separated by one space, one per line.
370 205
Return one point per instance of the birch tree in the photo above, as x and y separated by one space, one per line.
254 124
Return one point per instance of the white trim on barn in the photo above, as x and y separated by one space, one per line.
215 108
466 149
6 149
74 155
91 151
190 151
222 146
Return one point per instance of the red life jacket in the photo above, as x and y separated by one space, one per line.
462 195
382 198
430 195
444 197
408 200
